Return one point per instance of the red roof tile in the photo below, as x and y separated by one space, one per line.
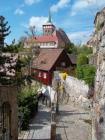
46 38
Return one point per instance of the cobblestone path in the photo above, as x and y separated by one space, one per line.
73 124
39 127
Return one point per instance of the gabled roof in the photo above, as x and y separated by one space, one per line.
73 58
46 59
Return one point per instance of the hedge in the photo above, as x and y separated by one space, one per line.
28 105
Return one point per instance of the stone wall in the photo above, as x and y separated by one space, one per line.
98 110
98 38
78 92
99 99
9 94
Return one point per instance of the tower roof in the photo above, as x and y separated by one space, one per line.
49 22
49 17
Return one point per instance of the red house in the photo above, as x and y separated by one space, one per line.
47 62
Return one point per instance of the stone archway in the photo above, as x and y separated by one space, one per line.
5 121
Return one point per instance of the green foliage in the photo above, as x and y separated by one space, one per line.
79 49
72 48
26 60
20 77
13 48
86 73
27 102
84 50
5 81
89 74
2 60
79 72
82 59
25 118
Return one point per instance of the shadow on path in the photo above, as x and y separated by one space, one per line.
71 124
39 126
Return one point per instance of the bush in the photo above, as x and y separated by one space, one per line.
82 59
86 73
25 116
89 74
27 102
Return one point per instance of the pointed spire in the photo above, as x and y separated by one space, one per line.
49 17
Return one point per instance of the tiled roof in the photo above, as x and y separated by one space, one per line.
45 38
46 59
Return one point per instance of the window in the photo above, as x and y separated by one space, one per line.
39 75
63 64
44 75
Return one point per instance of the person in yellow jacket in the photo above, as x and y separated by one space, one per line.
63 75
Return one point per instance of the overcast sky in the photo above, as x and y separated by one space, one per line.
75 17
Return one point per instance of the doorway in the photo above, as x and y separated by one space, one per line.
5 121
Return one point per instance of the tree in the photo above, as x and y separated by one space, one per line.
4 31
85 71
84 50
82 59
89 74
13 48
71 48
31 32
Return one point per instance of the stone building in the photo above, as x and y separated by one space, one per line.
8 97
50 38
8 113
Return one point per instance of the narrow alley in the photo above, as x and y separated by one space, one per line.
73 123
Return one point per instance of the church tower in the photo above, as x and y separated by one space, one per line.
48 28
